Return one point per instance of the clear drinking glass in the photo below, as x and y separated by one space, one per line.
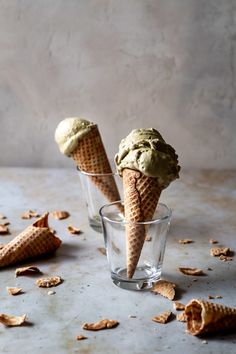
149 267
99 189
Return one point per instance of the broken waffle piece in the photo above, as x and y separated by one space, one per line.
81 337
164 288
14 290
214 297
4 230
212 241
34 241
48 282
103 324
205 317
60 214
178 306
5 223
185 241
163 317
30 270
191 271
102 250
181 317
220 251
8 320
73 230
30 214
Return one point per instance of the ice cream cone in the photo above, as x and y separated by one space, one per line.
204 317
148 165
141 195
35 240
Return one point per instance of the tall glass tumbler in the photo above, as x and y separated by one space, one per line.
99 189
149 267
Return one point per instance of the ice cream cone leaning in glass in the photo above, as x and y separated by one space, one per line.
147 165
81 140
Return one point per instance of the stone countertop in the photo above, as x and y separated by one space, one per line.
204 207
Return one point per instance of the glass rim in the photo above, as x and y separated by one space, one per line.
149 222
93 174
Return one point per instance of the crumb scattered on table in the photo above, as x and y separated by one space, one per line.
103 324
164 288
14 290
163 317
9 320
49 282
81 337
30 214
73 230
220 251
178 306
4 230
29 270
212 241
60 214
191 271
185 241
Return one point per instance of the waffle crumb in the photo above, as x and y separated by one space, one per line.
30 214
164 288
49 282
73 230
212 241
103 324
4 230
27 271
220 251
191 271
60 214
163 317
178 306
185 241
14 290
8 320
81 337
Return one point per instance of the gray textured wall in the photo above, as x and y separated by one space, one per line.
122 64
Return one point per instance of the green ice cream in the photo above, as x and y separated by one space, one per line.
69 131
146 151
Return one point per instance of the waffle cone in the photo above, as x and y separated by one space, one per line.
90 156
141 195
204 317
34 241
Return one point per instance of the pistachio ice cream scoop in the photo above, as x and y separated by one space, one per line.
69 131
146 151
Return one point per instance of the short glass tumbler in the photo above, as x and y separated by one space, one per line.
149 267
99 189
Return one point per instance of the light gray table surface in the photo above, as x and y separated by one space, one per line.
204 207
